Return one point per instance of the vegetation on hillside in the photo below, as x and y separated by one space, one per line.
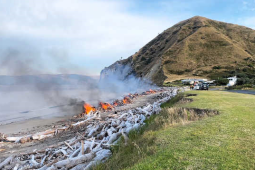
197 47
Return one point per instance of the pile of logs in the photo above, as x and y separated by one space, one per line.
89 148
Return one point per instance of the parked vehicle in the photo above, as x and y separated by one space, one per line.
232 81
197 87
201 86
205 86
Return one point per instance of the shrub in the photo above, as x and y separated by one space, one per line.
242 81
217 67
221 81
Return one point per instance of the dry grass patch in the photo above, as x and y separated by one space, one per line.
177 115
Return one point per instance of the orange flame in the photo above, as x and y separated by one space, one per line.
88 108
106 106
126 100
152 91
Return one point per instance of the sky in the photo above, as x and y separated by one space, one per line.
84 36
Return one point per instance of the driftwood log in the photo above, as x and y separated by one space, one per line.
88 148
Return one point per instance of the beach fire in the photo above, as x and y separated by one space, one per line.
88 108
126 100
106 106
150 91
96 133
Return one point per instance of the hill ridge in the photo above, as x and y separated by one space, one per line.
194 48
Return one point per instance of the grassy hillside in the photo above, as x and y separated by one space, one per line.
214 50
225 141
197 47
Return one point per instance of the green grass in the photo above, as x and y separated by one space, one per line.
174 100
226 141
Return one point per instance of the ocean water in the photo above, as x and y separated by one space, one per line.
21 104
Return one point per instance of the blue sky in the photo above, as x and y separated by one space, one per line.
84 36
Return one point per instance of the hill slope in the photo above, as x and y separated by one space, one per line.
195 47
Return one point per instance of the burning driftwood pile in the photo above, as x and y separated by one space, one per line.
90 147
87 110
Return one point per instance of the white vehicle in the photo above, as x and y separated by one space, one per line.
196 87
232 81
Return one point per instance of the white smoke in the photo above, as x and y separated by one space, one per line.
120 79
37 95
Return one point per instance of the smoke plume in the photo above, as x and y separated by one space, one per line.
27 92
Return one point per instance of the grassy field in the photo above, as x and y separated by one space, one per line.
225 141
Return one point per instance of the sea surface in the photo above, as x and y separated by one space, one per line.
17 104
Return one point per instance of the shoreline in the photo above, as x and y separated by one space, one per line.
33 124
41 123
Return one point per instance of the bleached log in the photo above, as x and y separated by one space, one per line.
80 167
102 154
75 153
90 165
8 167
121 125
130 112
117 140
123 115
6 161
48 166
64 152
98 147
16 167
71 162
43 160
53 167
113 129
84 121
92 144
12 139
126 139
136 126
63 168
77 140
69 146
82 147
115 122
21 139
109 132
47 132
130 118
144 111
33 162
128 124
25 139
128 127
142 118
101 135
57 152
147 108
113 137
40 136
92 131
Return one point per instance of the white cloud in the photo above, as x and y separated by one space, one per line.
87 29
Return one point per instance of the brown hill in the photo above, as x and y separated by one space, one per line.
197 47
